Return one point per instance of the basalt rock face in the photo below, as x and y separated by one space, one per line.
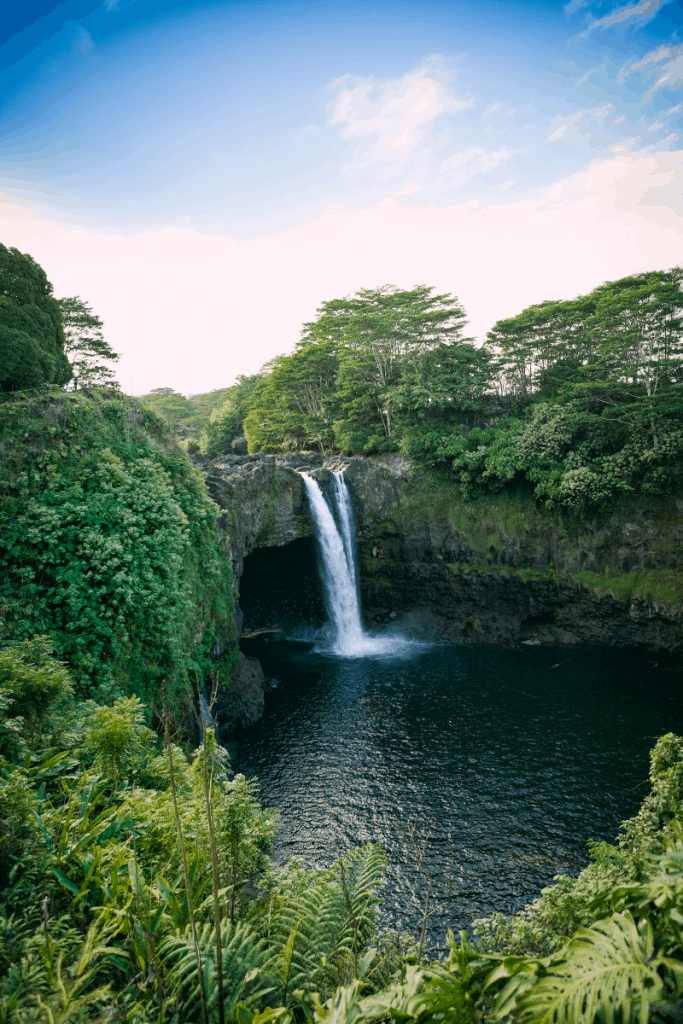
262 500
241 704
443 603
444 583
445 576
264 503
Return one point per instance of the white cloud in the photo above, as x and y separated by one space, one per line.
644 9
492 109
669 75
409 188
392 125
594 126
389 120
575 6
474 160
163 293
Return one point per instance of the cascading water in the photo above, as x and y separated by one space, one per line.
340 579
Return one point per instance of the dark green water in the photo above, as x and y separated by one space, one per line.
514 756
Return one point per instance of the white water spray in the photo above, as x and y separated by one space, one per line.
339 576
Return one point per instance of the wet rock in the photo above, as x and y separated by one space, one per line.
512 585
240 704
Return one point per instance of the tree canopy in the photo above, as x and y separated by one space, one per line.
169 402
31 334
85 347
359 373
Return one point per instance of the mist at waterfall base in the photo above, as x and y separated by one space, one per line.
343 635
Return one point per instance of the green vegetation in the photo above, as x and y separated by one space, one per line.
31 334
578 402
206 422
135 878
109 544
84 345
135 883
650 584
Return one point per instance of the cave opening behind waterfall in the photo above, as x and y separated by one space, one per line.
281 590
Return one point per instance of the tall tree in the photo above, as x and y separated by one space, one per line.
85 347
31 335
538 338
376 330
294 405
637 324
449 378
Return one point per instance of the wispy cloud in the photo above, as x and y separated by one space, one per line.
591 71
394 126
666 62
644 9
585 126
390 120
474 160
575 6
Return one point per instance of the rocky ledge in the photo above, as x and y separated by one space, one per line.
459 573
263 498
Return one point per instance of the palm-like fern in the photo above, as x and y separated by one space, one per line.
244 981
318 937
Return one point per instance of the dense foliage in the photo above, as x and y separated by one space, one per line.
135 878
31 335
366 367
135 884
108 543
194 416
578 401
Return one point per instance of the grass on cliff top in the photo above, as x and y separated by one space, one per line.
648 584
432 496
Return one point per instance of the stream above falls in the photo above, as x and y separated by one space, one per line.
517 755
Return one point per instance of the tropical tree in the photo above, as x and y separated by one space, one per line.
31 335
226 421
375 331
293 406
438 381
171 403
85 347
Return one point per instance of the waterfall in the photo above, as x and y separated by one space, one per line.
338 566
206 719
340 577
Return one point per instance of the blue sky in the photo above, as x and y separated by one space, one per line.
138 137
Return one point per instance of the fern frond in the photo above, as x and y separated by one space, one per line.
330 922
607 971
243 977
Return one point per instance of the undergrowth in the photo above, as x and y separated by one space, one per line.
109 544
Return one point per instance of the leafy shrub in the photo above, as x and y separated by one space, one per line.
109 543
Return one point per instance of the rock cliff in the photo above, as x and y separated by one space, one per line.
496 570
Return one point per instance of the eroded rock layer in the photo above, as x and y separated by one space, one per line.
494 571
